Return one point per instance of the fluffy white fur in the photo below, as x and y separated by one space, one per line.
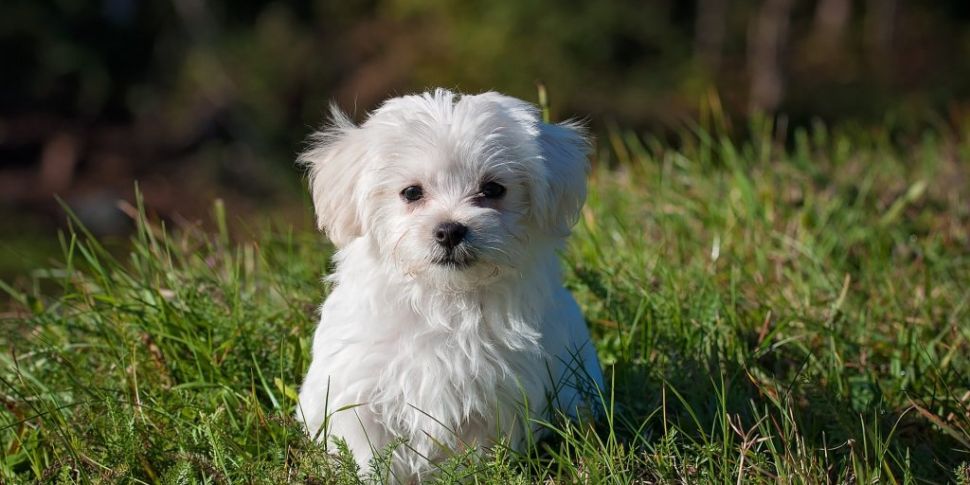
442 357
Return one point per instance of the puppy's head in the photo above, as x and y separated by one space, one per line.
450 190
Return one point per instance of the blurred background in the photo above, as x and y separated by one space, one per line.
205 99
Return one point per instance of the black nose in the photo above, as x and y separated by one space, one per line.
450 234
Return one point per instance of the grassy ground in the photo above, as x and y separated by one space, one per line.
765 315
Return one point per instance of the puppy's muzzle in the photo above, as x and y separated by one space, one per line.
450 234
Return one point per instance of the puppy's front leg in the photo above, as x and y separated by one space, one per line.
362 432
327 416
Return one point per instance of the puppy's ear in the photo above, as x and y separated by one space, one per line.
335 165
558 185
557 199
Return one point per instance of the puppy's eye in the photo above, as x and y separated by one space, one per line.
412 193
493 190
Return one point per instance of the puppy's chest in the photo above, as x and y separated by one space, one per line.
441 364
455 378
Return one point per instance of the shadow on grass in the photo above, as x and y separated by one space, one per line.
693 420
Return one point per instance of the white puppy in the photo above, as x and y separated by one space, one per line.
448 326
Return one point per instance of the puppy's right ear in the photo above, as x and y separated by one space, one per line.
335 164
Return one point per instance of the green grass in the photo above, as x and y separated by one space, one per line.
764 315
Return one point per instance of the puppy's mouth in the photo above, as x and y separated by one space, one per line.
453 261
459 257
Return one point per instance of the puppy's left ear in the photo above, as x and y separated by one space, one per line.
557 200
336 161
